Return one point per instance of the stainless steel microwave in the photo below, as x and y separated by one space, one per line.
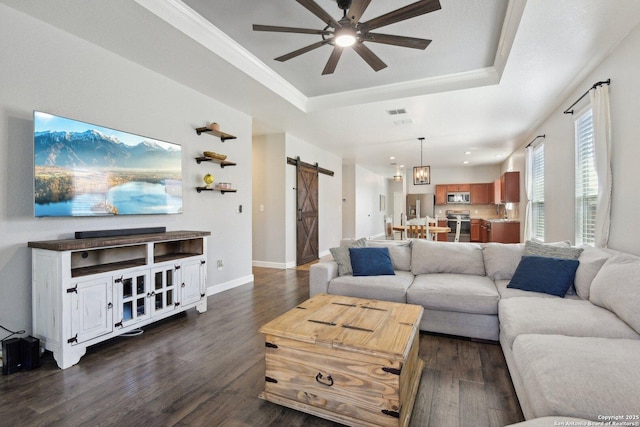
459 197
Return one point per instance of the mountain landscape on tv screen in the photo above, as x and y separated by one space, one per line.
91 174
93 149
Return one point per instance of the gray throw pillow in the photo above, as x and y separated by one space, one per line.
551 250
341 255
399 250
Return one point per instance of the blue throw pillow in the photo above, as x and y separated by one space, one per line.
371 262
552 276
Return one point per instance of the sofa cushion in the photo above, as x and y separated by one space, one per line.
399 250
371 262
506 292
578 318
591 261
581 377
446 257
385 288
501 260
454 292
617 287
341 255
544 274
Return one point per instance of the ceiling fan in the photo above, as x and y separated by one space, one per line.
349 31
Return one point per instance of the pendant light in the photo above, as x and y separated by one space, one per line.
421 174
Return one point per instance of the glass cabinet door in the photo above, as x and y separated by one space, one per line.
134 292
164 290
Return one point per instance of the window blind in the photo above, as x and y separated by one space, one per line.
537 196
586 181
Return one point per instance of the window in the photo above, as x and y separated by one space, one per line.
537 195
586 180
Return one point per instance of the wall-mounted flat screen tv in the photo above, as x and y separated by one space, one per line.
81 169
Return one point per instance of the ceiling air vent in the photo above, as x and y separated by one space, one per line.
396 111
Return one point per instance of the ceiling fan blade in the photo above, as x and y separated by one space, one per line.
401 41
313 7
410 11
369 57
289 30
305 49
333 61
357 9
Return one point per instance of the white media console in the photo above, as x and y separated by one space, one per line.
85 291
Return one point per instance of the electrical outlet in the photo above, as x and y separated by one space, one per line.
220 264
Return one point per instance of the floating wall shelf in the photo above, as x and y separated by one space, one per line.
222 163
199 189
222 135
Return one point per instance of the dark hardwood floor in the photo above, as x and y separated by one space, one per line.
208 369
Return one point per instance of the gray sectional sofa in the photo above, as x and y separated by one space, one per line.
575 356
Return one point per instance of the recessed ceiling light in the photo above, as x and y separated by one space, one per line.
465 162
392 158
401 166
498 156
467 152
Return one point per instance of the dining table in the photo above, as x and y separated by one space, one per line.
419 231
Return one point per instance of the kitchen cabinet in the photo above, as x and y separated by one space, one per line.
480 194
458 187
484 230
85 291
475 229
504 232
441 194
496 191
508 188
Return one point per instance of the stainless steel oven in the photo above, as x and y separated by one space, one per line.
465 225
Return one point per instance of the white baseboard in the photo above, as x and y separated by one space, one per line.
266 264
221 287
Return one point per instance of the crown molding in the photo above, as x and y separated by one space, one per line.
183 18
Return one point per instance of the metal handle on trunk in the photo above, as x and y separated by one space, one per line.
328 382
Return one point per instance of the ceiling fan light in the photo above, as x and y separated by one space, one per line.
345 40
345 37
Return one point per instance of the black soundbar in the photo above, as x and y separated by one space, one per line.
120 232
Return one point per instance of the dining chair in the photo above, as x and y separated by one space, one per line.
458 224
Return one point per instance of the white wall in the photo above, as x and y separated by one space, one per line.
49 70
622 67
349 201
274 187
269 189
369 220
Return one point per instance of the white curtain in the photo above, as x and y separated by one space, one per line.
602 144
528 188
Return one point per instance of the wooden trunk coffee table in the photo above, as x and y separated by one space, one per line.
350 360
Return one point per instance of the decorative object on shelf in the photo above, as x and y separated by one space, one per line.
223 186
421 174
208 179
214 129
215 155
